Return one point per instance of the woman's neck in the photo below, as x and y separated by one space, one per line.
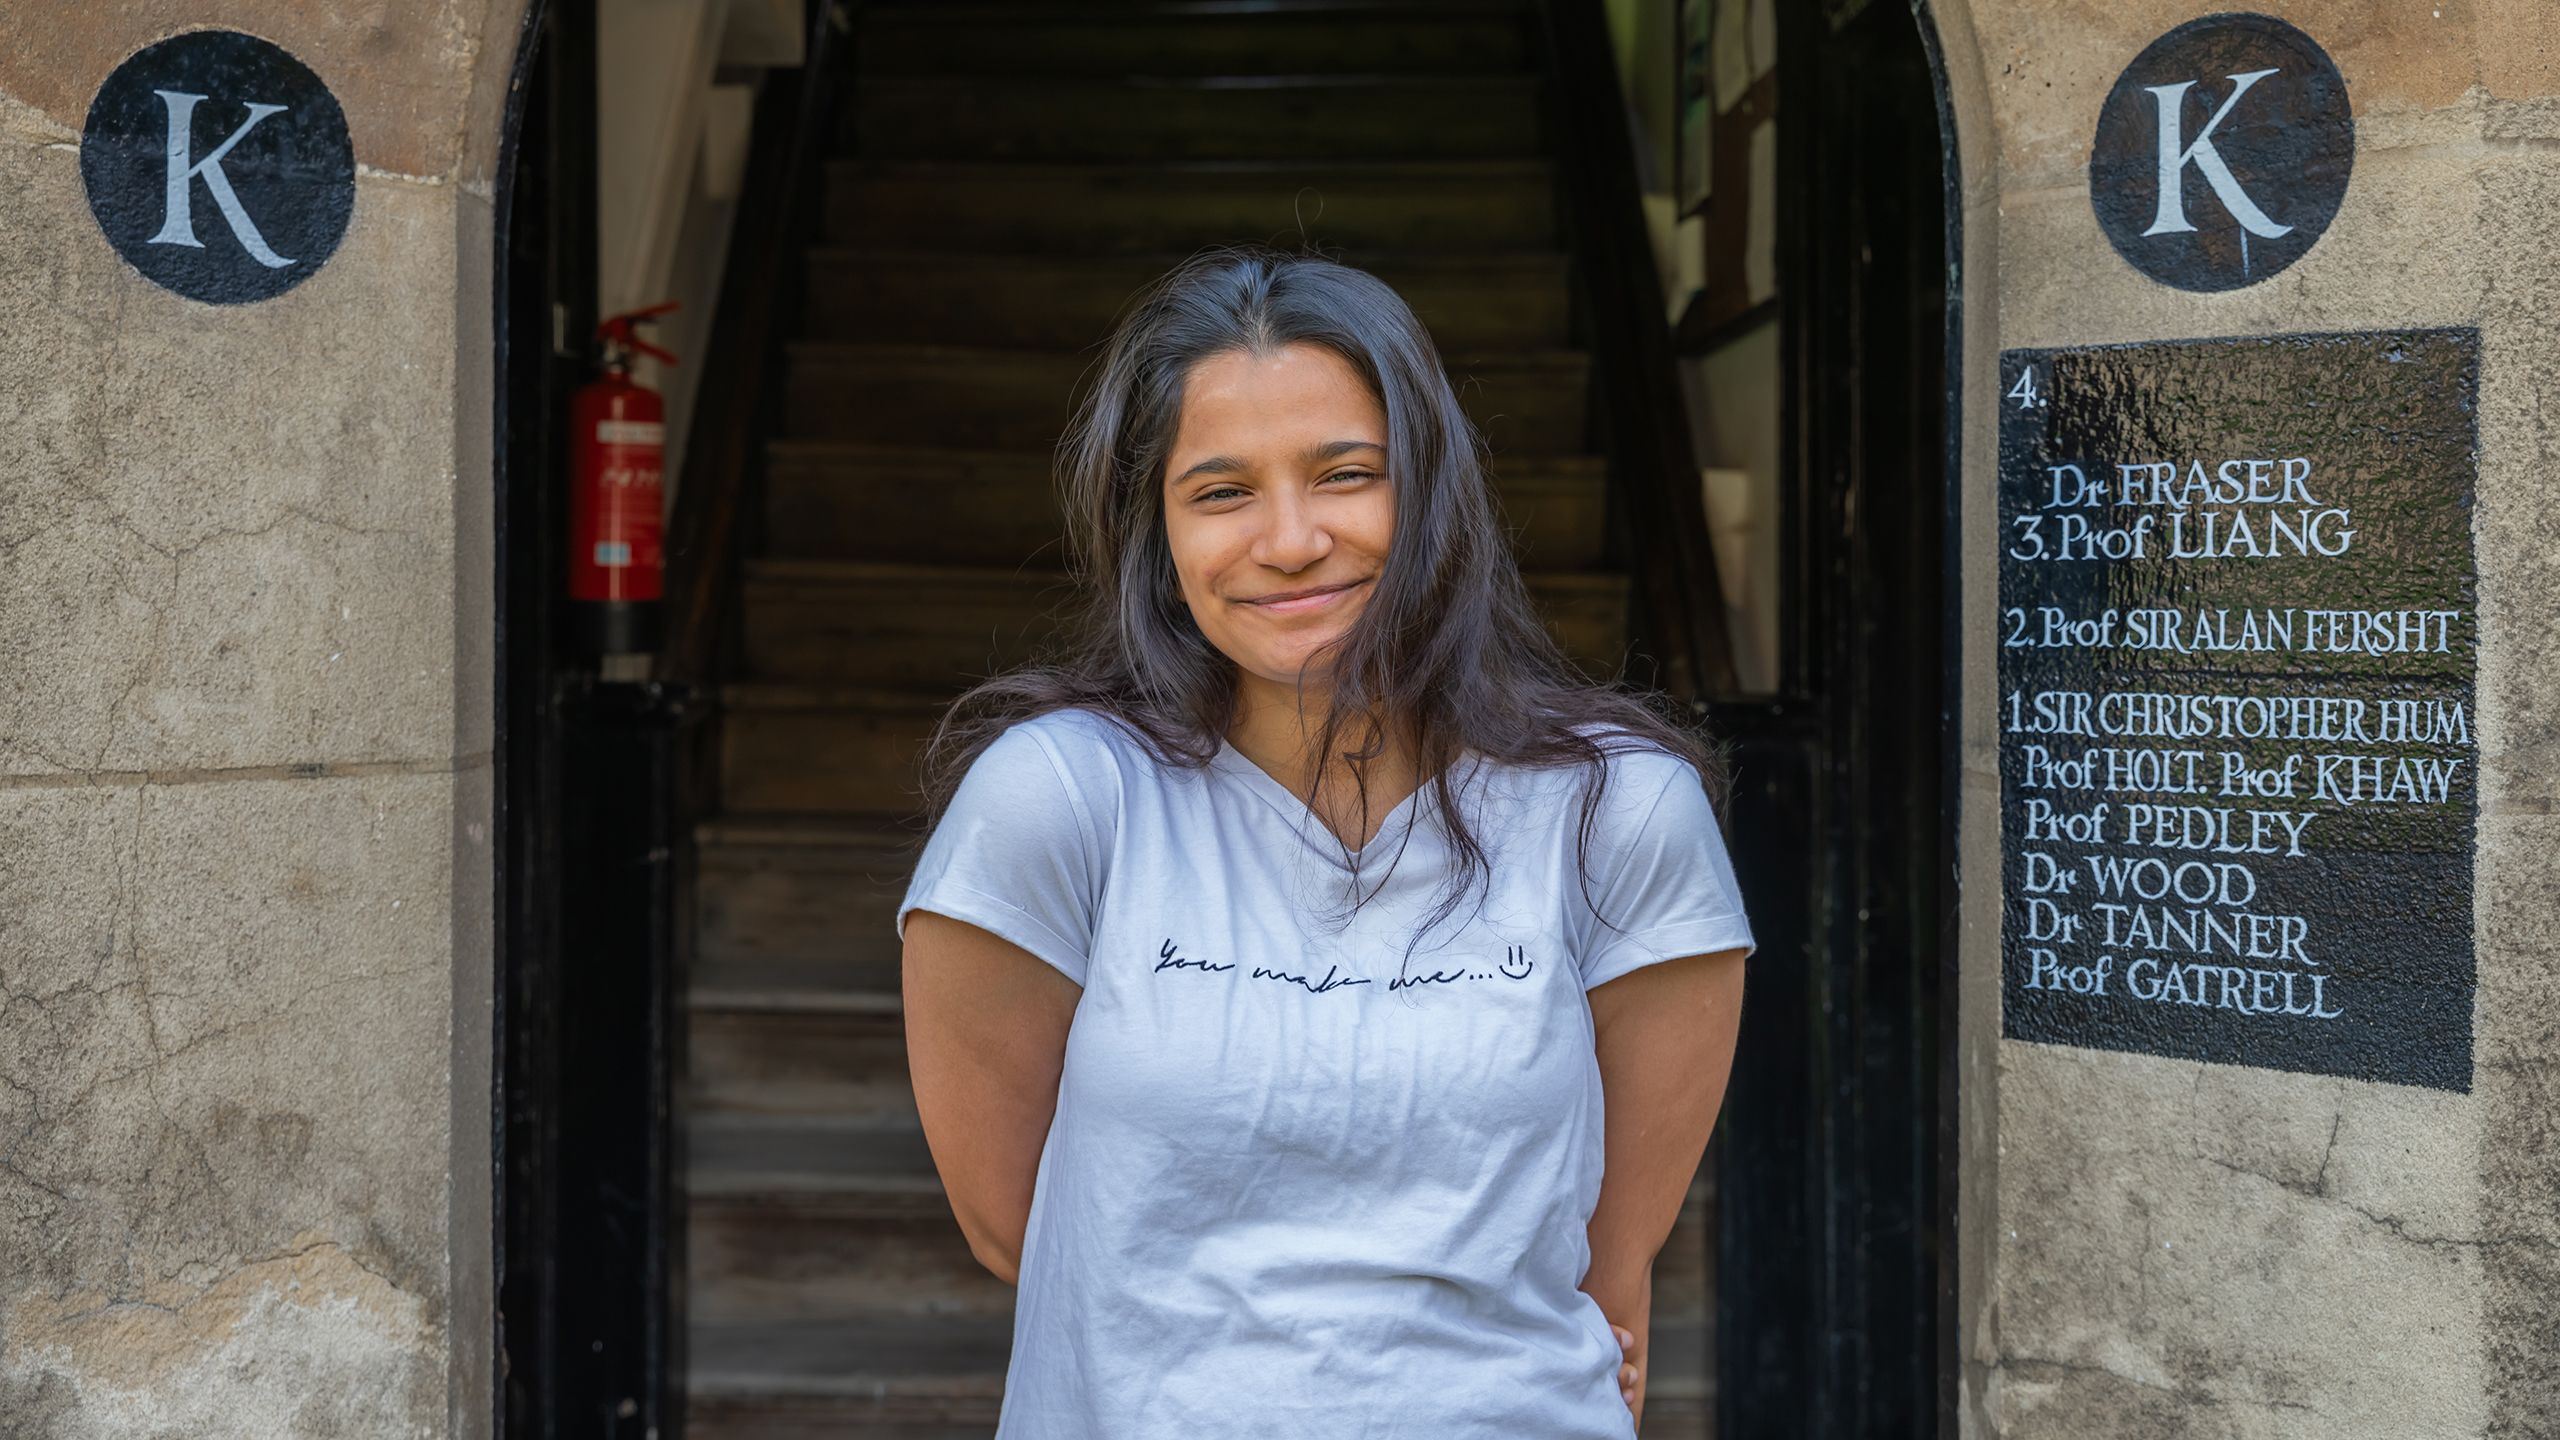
1278 735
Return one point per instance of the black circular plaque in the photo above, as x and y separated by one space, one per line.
219 166
2222 152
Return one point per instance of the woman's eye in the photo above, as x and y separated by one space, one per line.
1221 492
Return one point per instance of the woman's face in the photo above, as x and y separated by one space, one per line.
1277 485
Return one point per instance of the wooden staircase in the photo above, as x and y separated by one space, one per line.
1007 174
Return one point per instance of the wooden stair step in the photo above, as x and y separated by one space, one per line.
849 501
763 981
810 1065
1188 117
1268 36
1469 302
923 628
824 1160
798 749
774 890
1679 1382
742 1417
825 842
1525 401
920 1362
1103 207
749 1263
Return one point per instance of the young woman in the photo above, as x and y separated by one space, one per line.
1277 943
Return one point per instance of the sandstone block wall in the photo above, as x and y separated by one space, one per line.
245 730
2159 1247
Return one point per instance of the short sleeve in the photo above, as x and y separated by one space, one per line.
1015 854
1666 883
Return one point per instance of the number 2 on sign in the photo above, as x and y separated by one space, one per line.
2024 392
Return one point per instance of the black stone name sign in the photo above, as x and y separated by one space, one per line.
2222 153
219 166
2238 748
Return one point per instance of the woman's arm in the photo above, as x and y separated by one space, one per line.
1665 1033
986 1042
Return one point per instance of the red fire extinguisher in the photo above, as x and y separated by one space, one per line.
616 495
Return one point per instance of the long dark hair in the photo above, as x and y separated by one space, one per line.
1449 645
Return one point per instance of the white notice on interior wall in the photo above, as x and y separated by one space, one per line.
1760 235
1689 245
1731 52
1727 495
1764 37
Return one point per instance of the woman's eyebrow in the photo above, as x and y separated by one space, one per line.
1312 455
1318 454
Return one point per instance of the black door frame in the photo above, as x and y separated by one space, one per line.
587 1220
1836 1156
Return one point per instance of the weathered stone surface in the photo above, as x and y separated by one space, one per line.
404 73
2519 1098
2165 1228
2519 524
231 529
2048 64
2161 1248
2058 269
2519 50
245 908
223 1070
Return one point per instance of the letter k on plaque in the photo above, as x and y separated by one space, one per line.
2222 153
219 121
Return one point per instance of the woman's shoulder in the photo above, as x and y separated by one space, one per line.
1639 766
1097 757
1076 736
1051 773
1632 773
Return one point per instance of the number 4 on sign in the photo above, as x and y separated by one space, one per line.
2024 392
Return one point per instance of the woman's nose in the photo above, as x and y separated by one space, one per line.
1293 535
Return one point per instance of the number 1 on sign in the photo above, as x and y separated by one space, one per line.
2024 392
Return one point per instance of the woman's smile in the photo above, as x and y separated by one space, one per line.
1316 601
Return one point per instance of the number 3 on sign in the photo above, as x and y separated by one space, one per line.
2025 392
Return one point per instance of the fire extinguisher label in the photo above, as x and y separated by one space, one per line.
613 552
630 432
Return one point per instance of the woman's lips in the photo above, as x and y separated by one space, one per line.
1308 602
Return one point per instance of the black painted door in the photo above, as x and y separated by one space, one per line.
1831 1259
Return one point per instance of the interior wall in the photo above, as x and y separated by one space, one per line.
1731 388
245 750
2154 1246
1735 397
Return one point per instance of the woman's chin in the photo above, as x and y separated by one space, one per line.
1284 672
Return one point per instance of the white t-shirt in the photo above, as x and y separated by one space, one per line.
1300 1185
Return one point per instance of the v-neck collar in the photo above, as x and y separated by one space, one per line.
1302 818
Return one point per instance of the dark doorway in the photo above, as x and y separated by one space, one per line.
1833 1251
1831 1236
